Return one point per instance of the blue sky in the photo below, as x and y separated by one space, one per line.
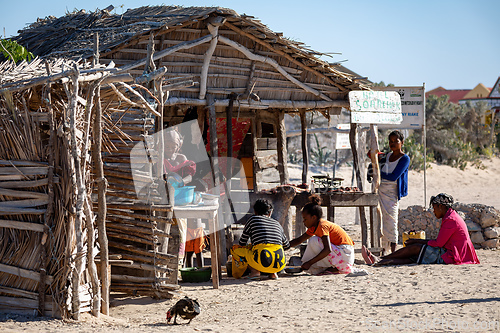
454 44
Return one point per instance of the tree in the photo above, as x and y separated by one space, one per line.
13 51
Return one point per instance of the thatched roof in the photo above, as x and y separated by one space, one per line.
286 70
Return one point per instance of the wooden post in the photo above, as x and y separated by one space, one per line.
215 169
283 164
375 213
50 206
353 134
101 204
214 31
281 147
254 152
305 153
79 192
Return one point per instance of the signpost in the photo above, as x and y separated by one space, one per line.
375 107
412 106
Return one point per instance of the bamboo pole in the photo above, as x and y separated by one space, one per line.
101 204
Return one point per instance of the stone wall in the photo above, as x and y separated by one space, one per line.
483 223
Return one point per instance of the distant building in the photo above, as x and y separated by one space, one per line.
455 95
492 99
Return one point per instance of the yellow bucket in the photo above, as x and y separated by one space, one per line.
413 234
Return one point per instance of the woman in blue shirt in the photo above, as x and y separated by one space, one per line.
393 186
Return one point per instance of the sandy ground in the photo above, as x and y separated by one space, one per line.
425 298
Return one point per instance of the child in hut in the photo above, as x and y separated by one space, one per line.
329 250
180 170
195 242
175 162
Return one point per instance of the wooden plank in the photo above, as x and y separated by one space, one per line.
21 211
38 227
22 194
27 183
144 267
353 199
140 251
18 292
139 279
24 203
24 273
26 171
23 163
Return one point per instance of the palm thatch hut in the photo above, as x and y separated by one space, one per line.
228 72
59 121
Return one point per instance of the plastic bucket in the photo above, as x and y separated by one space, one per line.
184 195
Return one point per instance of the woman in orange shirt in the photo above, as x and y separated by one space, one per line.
329 247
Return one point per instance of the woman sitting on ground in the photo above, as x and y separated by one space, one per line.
329 247
266 252
452 245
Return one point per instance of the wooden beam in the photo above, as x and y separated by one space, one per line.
206 60
305 155
262 104
182 46
353 138
250 55
38 227
214 225
286 55
281 147
25 273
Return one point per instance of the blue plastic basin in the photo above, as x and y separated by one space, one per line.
183 195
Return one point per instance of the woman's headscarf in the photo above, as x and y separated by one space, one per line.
442 199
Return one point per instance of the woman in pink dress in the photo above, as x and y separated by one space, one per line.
452 245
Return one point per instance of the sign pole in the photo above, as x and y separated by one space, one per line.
335 163
424 138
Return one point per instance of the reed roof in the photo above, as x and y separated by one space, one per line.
72 36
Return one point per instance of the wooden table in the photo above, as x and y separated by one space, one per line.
209 213
347 199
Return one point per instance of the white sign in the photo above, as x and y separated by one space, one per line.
375 107
412 106
342 139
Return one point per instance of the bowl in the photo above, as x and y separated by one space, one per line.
183 195
195 274
293 269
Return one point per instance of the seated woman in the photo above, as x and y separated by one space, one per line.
266 253
329 247
452 245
